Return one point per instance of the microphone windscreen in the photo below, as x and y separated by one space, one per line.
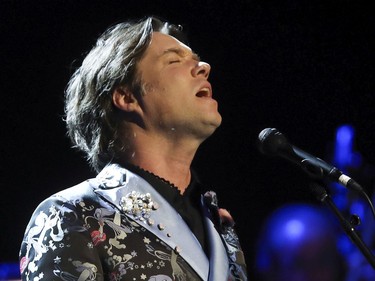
270 141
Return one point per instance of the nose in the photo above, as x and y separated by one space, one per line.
202 69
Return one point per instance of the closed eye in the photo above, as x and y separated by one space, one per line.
174 61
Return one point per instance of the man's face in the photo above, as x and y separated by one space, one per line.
177 99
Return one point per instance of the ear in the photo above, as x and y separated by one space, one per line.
124 99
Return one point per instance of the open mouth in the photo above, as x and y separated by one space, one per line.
204 92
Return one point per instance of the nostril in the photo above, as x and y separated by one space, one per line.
202 72
202 68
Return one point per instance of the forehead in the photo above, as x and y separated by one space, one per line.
163 43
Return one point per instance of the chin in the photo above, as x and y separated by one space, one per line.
214 126
218 122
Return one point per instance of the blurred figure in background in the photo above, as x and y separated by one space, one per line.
298 243
345 156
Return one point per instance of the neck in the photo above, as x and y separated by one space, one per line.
173 171
167 159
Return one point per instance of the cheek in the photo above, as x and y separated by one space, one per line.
159 89
148 88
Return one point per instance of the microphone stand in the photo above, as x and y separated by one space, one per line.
321 195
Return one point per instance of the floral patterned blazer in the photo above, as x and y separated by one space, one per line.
118 227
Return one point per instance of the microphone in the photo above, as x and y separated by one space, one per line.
272 142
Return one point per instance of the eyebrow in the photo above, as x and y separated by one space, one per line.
180 52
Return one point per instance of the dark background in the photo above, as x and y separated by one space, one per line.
304 67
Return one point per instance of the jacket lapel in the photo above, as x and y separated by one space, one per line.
138 200
218 255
